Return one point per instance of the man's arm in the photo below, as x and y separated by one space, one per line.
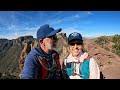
30 69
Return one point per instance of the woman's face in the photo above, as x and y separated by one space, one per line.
75 47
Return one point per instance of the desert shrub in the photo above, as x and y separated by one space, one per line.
110 62
102 40
116 48
106 48
8 76
116 39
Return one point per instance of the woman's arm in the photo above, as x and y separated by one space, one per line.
94 69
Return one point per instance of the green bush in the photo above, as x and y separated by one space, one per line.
116 46
106 48
116 39
102 41
110 62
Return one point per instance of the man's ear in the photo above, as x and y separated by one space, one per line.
41 41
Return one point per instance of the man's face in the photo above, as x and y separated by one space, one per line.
50 42
75 47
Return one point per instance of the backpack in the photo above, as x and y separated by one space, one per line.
83 68
45 72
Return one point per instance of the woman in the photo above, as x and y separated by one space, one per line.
78 64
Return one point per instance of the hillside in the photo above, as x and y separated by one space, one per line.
10 51
108 62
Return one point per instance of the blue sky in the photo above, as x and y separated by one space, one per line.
14 24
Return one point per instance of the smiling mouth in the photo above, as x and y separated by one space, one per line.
76 50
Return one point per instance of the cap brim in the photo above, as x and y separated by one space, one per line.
54 32
69 40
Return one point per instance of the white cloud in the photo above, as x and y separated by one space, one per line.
89 13
15 32
54 22
26 33
86 14
83 33
77 16
58 20
31 29
8 18
93 35
23 15
70 30
18 34
15 29
74 17
9 36
12 27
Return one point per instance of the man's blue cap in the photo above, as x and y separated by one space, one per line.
46 31
74 36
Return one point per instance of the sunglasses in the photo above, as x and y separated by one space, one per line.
75 42
53 37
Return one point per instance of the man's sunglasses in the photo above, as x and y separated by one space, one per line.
54 37
76 42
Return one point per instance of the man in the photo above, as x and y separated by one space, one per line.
79 65
43 62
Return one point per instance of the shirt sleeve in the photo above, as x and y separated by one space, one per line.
94 69
30 69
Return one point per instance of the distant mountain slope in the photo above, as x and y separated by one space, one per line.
10 51
10 60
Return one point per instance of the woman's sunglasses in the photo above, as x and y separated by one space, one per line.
72 43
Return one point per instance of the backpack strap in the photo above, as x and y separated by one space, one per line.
56 57
88 57
84 68
44 71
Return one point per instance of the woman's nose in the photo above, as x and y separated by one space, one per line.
75 45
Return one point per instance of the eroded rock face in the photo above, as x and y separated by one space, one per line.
62 47
10 51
